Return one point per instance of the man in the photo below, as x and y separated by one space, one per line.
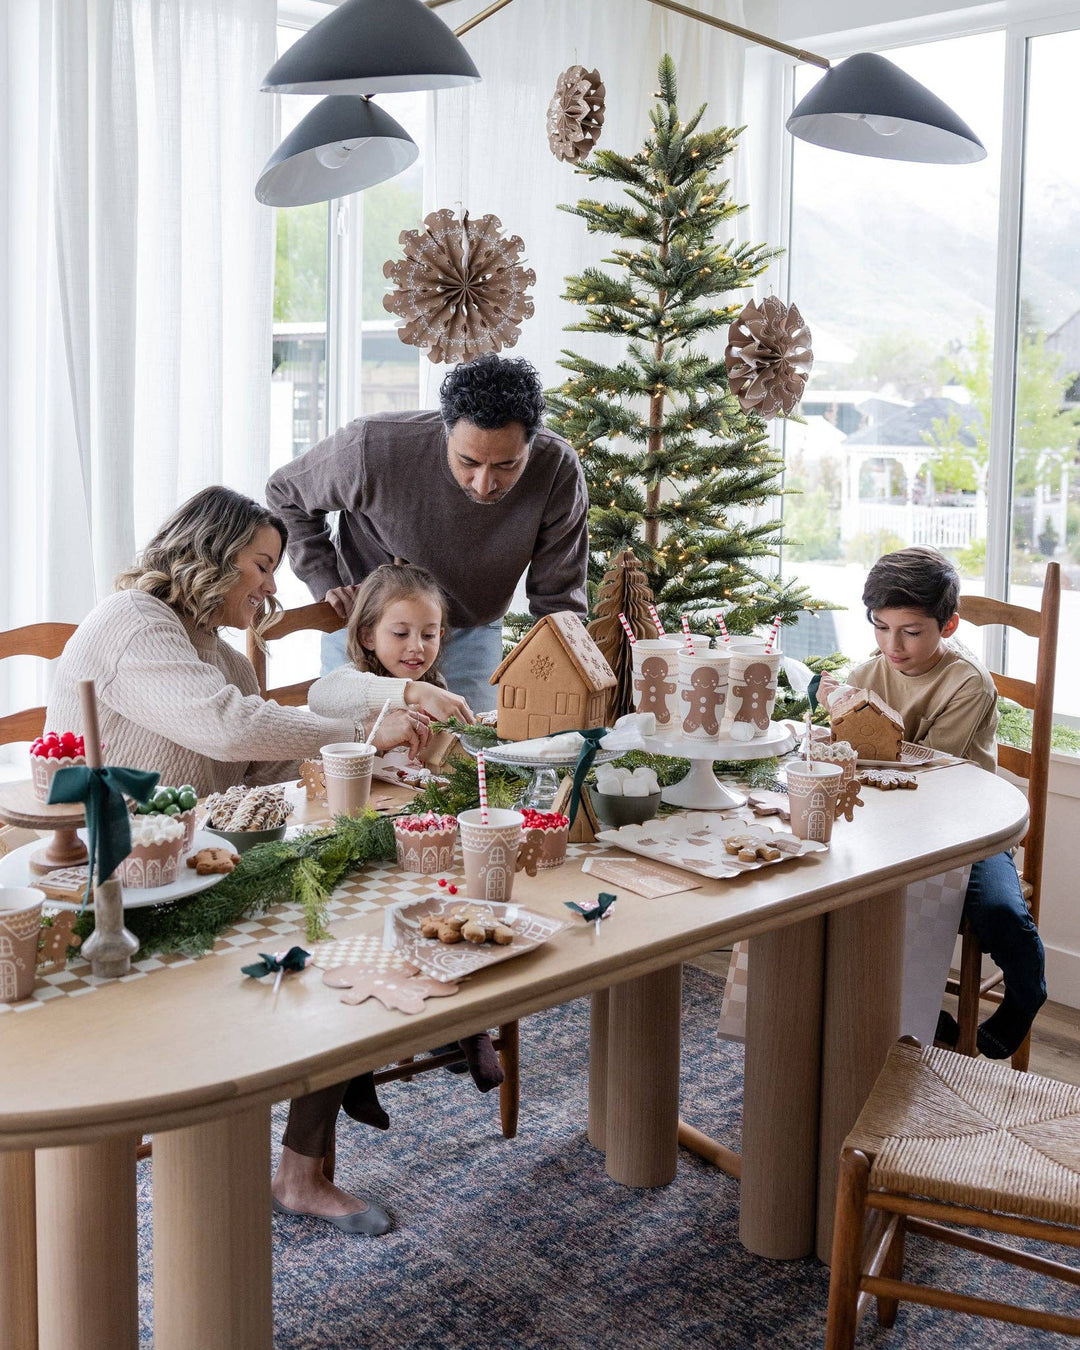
478 494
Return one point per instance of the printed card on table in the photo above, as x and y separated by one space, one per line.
652 880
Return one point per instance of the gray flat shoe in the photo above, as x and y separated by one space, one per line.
371 1222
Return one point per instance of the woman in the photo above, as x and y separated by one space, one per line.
173 697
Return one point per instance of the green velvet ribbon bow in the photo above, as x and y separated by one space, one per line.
293 959
108 825
812 692
592 740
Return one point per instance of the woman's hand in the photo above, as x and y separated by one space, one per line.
410 727
439 704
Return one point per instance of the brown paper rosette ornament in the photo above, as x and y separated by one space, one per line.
575 114
460 289
768 357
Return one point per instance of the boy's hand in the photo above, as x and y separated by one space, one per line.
439 704
828 684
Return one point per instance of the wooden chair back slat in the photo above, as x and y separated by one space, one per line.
1020 691
318 617
27 725
981 610
46 640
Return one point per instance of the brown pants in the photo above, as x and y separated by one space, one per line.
310 1127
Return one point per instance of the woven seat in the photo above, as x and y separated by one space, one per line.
955 1140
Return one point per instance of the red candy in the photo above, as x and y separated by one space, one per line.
429 822
544 820
52 746
452 889
442 881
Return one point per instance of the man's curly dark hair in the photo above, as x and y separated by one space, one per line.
491 392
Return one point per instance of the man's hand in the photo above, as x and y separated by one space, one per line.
439 704
410 727
340 600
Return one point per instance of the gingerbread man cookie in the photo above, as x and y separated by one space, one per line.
213 861
706 698
653 689
753 695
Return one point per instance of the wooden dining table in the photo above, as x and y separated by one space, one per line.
196 1055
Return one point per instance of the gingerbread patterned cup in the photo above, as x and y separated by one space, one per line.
490 852
656 680
20 929
703 682
813 790
427 851
842 753
347 769
751 695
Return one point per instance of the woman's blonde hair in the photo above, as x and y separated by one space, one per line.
390 582
191 562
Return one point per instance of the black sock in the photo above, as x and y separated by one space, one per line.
445 1050
483 1061
1003 1032
361 1102
948 1030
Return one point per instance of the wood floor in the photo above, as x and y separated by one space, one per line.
1055 1038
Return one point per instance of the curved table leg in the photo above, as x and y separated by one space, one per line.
643 1079
18 1253
88 1269
864 974
212 1285
781 1091
598 1068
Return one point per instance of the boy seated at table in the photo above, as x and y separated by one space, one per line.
948 701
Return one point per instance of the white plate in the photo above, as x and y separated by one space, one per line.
506 754
15 871
695 843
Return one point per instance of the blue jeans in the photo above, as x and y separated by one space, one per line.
994 907
467 660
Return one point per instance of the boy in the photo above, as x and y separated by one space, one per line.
948 701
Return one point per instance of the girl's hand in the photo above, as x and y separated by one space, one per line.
438 703
410 727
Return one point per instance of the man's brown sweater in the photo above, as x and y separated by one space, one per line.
389 478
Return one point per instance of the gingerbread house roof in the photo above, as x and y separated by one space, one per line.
856 699
578 645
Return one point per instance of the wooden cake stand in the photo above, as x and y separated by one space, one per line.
19 807
701 789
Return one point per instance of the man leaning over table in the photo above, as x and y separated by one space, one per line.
478 493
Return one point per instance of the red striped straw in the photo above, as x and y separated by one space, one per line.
656 620
627 629
481 773
686 634
772 633
723 627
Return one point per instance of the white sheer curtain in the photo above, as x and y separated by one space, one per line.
489 146
135 282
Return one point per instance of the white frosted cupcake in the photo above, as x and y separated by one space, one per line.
157 845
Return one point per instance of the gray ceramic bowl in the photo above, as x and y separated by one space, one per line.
241 840
614 812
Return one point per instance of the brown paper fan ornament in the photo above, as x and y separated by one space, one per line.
460 289
575 114
768 357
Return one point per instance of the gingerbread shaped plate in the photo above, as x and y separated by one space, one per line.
699 842
451 962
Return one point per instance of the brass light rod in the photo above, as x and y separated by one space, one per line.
479 18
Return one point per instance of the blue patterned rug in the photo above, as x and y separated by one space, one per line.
528 1245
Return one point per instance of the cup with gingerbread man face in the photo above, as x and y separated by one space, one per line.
751 694
703 681
656 680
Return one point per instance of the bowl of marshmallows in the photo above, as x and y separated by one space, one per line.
625 796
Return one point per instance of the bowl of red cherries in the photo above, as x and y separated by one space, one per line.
55 750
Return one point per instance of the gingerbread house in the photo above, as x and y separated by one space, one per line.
554 680
868 723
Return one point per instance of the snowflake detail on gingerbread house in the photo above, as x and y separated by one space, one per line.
541 667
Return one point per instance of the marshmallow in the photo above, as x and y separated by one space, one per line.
635 787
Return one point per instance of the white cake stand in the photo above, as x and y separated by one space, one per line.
543 780
701 789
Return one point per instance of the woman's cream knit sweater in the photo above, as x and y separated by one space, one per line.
177 699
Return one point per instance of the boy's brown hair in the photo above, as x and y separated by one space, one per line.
913 578
390 582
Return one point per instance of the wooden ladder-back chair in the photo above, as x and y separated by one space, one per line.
1032 765
320 617
46 640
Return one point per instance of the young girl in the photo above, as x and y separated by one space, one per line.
393 638
395 630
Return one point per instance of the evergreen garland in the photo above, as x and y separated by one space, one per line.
676 283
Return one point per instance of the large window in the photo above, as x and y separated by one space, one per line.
899 270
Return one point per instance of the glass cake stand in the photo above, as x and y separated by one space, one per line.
701 789
542 778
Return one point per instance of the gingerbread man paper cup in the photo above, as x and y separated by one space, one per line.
656 679
703 682
490 852
751 695
812 792
842 753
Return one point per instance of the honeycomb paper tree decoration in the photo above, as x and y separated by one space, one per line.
623 590
768 357
575 114
460 288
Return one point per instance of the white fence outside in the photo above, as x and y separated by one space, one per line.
938 526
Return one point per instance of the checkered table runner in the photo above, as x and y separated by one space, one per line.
370 889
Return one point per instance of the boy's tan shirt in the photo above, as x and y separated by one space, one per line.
952 707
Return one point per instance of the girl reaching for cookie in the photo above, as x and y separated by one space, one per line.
395 630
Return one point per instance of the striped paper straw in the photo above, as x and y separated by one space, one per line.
723 627
627 629
481 773
772 633
656 620
686 634
378 722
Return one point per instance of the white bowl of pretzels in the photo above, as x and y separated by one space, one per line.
244 817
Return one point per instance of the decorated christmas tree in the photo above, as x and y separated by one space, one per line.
675 468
